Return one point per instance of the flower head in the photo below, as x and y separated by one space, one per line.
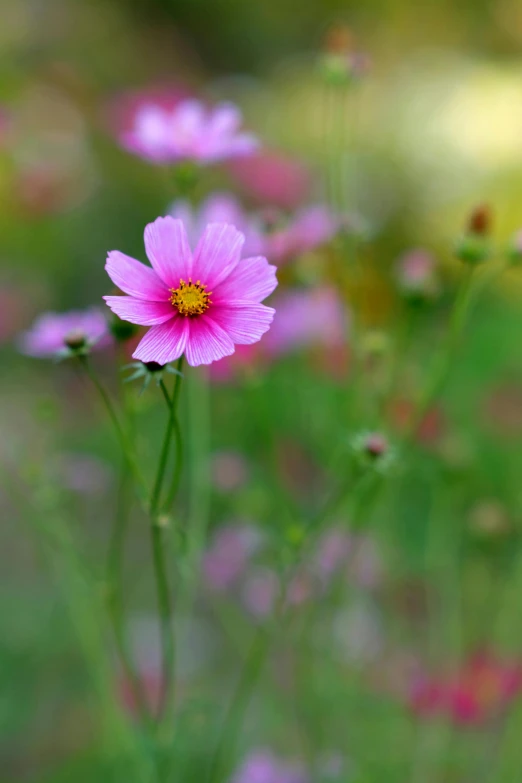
307 317
481 689
273 178
189 131
199 304
65 334
307 230
416 275
221 208
262 766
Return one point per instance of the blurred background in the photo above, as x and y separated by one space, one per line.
406 662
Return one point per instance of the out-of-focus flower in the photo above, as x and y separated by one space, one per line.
121 109
183 317
308 229
221 208
189 132
416 276
474 246
62 334
342 62
260 592
307 317
373 450
229 470
229 554
262 766
273 178
431 429
333 551
83 473
482 689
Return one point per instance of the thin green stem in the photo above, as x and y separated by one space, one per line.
442 366
251 671
159 560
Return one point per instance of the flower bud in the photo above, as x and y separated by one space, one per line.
474 246
122 330
76 341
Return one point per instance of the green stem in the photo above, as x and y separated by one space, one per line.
252 669
442 366
114 593
158 552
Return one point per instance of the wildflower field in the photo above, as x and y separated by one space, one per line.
261 396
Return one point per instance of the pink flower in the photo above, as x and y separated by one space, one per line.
260 592
273 178
203 319
54 334
262 766
229 555
416 274
221 208
307 317
189 131
307 230
481 689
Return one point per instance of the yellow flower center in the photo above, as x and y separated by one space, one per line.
190 298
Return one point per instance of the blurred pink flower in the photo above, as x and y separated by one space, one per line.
83 473
333 551
307 317
484 687
229 470
306 230
416 274
229 554
121 109
182 317
221 208
260 591
53 333
262 766
273 178
190 131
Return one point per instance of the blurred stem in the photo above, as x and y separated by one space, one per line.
442 366
158 551
114 591
172 425
125 444
225 748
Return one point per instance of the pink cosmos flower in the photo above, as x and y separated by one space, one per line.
53 334
221 208
262 766
481 689
416 274
228 556
189 131
307 317
273 178
203 319
307 230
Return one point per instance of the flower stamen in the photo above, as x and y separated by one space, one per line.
190 298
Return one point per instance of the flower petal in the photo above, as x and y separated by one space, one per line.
217 253
164 343
137 311
244 322
135 278
168 250
207 342
252 279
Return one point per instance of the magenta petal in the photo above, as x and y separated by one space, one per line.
137 311
217 253
252 279
244 322
168 250
164 343
207 342
135 278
